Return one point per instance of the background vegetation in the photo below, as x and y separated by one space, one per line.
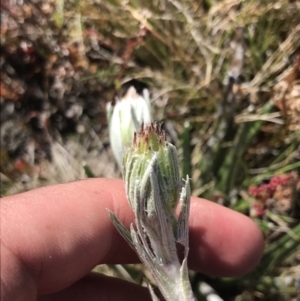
224 78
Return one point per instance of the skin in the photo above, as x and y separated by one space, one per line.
52 237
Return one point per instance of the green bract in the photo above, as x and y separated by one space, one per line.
151 152
154 189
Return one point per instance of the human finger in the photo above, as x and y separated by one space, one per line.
61 232
95 287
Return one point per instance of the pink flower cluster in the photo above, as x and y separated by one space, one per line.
266 191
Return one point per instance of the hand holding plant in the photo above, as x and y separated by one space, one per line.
61 232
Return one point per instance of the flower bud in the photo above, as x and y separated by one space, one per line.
151 152
125 118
